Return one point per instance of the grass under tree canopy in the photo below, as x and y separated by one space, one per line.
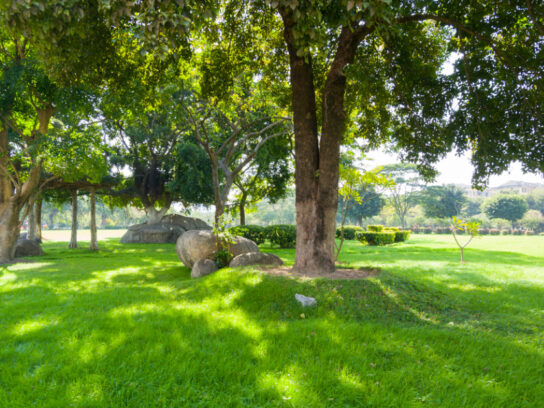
127 327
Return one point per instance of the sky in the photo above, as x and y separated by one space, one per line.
458 170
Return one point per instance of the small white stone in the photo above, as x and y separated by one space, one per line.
305 300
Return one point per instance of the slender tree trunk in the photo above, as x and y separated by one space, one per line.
94 240
242 209
52 218
38 211
31 220
73 236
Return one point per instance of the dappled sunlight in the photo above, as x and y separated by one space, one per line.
28 326
290 385
86 390
417 333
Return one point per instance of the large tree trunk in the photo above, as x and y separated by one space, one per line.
14 193
153 215
38 212
9 231
94 240
313 252
12 200
73 236
317 161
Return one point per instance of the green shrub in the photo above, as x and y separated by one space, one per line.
395 229
484 231
427 230
376 238
517 232
349 231
416 230
401 236
252 232
282 234
223 258
505 232
529 232
441 230
375 228
494 231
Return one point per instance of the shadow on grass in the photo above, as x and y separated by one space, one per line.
127 327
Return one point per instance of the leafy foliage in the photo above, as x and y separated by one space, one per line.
256 233
471 228
283 235
442 201
376 238
507 206
349 231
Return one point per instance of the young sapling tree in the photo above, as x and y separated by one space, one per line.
470 228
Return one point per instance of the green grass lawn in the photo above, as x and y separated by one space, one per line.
127 327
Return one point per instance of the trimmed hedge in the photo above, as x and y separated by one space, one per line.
375 228
376 238
283 235
252 232
349 231
401 236
392 229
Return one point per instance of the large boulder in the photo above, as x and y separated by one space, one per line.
27 247
203 267
194 245
255 258
164 232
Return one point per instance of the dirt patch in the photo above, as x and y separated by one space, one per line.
361 273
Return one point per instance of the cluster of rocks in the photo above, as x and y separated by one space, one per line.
197 250
168 230
28 247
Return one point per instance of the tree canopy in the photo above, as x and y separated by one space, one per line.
507 206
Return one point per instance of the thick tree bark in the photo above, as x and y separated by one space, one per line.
153 215
14 192
12 200
73 236
94 239
38 215
317 160
9 231
313 252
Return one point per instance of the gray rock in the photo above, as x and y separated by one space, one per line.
185 223
147 234
27 247
203 267
167 231
305 301
25 236
199 244
256 258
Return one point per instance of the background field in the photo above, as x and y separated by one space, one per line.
127 327
83 235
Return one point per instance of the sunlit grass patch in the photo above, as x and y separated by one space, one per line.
127 327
